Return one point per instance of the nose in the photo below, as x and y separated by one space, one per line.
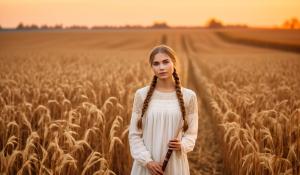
161 67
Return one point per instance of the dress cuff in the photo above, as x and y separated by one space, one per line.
146 161
182 147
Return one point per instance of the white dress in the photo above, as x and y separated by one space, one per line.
160 124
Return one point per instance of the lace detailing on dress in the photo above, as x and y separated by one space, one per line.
137 103
189 96
193 105
164 95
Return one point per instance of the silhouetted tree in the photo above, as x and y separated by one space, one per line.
77 27
292 23
214 23
58 26
20 26
33 26
160 25
44 27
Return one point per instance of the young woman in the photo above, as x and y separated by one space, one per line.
159 112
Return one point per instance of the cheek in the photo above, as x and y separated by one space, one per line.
170 67
155 69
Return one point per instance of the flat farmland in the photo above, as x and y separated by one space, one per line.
66 99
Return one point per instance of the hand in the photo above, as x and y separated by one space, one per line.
175 144
155 168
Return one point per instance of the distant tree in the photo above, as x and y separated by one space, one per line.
77 27
292 23
44 27
0 27
160 25
20 26
33 26
97 27
58 26
131 26
214 23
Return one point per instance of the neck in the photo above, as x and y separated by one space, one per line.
165 84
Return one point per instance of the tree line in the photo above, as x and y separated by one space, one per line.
292 23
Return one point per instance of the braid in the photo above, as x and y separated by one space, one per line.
147 100
180 98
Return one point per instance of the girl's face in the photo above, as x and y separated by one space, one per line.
162 66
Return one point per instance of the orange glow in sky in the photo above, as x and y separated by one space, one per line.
141 12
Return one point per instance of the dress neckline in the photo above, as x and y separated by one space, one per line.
161 92
165 95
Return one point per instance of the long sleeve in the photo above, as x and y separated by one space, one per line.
189 137
138 149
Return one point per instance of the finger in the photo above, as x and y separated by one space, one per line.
175 143
158 173
174 149
174 146
153 172
158 167
174 140
159 170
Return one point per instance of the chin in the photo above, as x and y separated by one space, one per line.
163 77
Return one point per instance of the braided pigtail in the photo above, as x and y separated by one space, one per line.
180 99
147 100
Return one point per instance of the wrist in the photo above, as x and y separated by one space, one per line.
145 164
182 148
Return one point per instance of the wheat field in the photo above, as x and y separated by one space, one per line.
66 100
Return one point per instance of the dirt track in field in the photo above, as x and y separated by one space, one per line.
195 47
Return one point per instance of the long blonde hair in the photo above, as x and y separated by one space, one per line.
169 51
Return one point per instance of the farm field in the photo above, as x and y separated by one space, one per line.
285 40
272 35
66 99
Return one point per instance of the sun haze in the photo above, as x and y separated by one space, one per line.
136 12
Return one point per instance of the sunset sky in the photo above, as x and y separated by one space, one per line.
141 12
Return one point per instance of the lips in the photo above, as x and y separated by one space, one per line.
162 73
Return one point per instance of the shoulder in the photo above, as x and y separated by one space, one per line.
142 92
191 101
188 93
189 96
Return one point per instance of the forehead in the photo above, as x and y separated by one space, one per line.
160 57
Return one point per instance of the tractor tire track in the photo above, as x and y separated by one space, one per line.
206 157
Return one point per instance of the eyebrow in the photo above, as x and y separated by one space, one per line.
162 61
